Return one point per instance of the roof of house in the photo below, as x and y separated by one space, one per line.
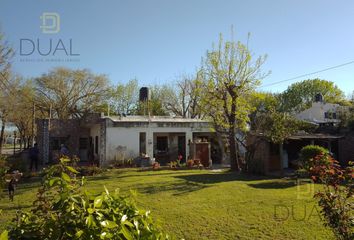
300 136
139 118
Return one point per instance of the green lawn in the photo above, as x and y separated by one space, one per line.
201 204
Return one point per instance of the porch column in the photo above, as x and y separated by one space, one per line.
150 143
102 143
189 138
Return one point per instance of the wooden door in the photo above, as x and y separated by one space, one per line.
202 153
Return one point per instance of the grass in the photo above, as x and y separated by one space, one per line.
201 204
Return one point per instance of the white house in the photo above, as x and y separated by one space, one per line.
162 138
321 113
103 139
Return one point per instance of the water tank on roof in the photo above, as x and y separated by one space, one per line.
144 94
318 97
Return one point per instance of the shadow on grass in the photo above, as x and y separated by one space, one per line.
197 182
156 174
212 178
274 185
176 188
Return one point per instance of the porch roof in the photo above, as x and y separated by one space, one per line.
315 136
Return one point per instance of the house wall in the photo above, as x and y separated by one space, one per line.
69 131
262 154
317 112
123 137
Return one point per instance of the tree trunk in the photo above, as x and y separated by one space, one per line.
232 135
233 150
2 136
281 158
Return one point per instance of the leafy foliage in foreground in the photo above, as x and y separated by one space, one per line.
63 211
336 200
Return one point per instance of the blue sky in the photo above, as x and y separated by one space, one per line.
158 40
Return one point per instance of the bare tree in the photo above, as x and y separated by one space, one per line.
6 54
183 98
71 93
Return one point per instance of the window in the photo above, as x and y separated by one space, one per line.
161 144
55 142
142 142
331 115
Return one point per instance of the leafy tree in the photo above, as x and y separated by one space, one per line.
71 93
266 121
300 95
124 97
230 74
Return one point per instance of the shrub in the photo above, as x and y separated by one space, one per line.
307 157
63 211
336 198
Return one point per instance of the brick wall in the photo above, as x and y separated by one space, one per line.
69 130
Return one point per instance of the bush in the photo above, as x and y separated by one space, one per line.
63 211
336 198
307 157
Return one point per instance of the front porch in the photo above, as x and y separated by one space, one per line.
166 147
